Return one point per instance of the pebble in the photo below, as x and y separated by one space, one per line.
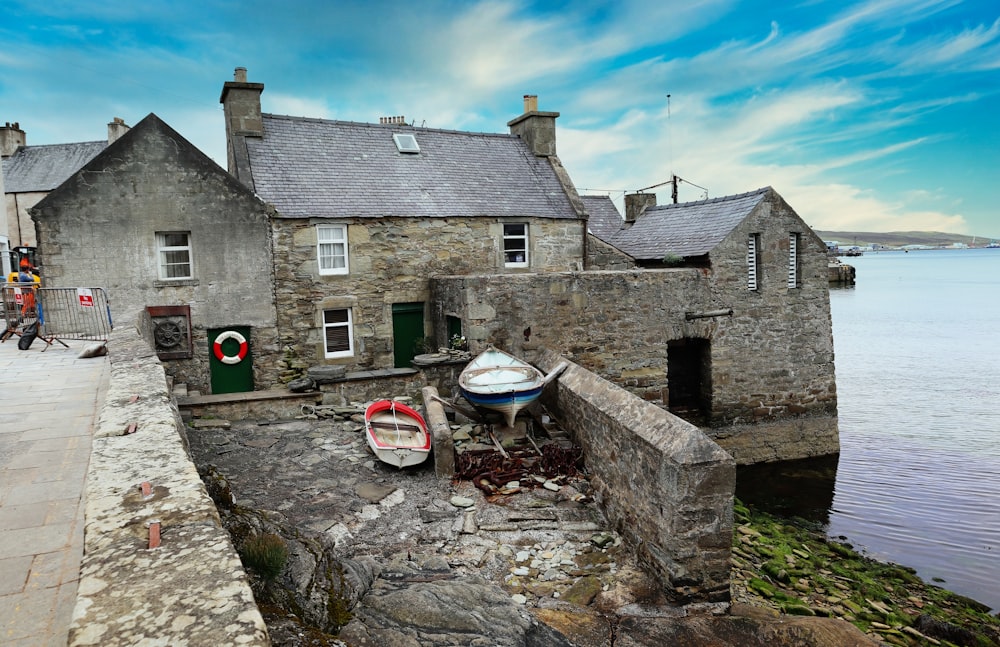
519 599
549 485
462 502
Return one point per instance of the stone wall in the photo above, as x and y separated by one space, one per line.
771 360
667 488
602 256
191 589
391 261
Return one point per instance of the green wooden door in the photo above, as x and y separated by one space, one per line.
407 332
229 361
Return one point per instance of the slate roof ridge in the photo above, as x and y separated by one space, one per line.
345 122
724 198
37 146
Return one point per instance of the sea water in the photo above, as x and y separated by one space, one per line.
917 344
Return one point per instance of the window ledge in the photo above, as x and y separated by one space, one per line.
177 283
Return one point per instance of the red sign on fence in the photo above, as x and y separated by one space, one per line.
86 297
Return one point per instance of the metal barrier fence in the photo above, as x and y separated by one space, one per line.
59 313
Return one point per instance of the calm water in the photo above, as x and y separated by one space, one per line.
917 346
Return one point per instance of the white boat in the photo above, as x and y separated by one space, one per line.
397 433
500 382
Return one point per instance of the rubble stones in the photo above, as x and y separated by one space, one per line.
385 556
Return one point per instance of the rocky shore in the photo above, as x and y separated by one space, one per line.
345 550
790 567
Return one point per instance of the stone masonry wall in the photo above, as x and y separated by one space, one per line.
771 361
391 261
602 256
667 488
191 589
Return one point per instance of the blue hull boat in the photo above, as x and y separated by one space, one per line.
500 382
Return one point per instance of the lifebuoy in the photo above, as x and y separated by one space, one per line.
230 359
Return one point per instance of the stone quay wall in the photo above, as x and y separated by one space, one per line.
666 486
191 589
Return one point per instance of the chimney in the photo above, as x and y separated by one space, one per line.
11 138
241 106
636 205
397 120
116 129
537 129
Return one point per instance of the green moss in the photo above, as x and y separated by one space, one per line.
338 607
799 568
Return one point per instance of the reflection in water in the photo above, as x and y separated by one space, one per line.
802 488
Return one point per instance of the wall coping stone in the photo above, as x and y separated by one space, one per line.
192 589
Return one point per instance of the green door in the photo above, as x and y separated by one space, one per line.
407 332
229 359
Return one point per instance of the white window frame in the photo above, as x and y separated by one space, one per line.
524 259
349 325
794 242
165 251
328 238
753 262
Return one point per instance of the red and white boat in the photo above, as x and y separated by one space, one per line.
397 433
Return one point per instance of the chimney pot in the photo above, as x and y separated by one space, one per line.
531 103
240 75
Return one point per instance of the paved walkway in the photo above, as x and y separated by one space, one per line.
48 408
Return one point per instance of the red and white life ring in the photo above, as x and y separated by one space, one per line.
230 359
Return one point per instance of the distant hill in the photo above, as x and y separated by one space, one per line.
901 238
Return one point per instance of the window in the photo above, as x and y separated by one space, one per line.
331 249
406 143
174 252
338 340
753 261
515 245
793 260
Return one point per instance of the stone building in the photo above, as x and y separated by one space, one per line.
725 319
390 239
180 246
365 215
30 172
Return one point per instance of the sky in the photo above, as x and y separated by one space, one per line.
870 115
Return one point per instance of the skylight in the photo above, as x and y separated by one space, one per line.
406 143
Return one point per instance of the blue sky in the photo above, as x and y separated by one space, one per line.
865 115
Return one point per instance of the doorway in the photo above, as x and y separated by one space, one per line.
230 362
689 379
407 333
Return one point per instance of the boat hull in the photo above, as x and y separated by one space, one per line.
397 434
500 382
508 404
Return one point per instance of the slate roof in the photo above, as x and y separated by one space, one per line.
43 168
333 169
605 219
687 229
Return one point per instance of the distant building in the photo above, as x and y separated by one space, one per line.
30 172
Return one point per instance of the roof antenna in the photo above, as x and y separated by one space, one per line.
670 140
670 154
